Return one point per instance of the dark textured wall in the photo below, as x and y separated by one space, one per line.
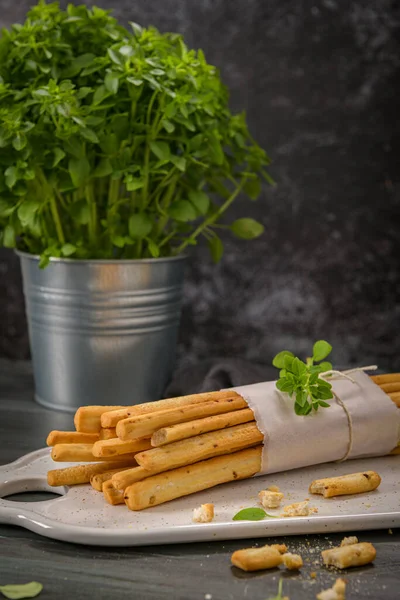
320 84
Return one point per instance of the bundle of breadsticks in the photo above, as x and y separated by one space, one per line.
148 454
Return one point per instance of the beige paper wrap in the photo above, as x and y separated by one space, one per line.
292 441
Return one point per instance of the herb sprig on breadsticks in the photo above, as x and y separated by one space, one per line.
302 381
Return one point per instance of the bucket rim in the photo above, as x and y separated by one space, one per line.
104 261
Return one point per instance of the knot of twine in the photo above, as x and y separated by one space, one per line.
333 374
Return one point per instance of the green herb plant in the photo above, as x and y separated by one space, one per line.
116 143
301 380
252 514
23 590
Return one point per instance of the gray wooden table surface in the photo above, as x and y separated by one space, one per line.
176 572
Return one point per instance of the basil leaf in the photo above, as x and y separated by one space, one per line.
200 201
216 248
247 229
161 150
252 514
321 349
183 211
279 361
112 82
325 366
140 226
19 591
79 170
27 211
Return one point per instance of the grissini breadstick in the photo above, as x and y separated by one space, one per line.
87 418
124 479
386 378
193 478
97 480
182 431
83 453
258 559
354 483
110 419
145 425
395 398
107 433
116 447
71 437
111 495
353 555
80 473
200 447
390 388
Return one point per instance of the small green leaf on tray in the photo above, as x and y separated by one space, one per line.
25 590
252 514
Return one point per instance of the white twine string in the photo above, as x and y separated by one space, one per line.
345 374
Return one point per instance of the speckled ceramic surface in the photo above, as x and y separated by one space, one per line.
80 515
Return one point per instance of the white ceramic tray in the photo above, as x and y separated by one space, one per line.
80 515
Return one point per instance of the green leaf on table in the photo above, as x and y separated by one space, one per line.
247 229
325 366
251 514
216 248
19 591
140 226
321 350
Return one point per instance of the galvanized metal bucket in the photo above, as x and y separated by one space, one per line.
102 332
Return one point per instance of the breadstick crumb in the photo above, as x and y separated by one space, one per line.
292 562
353 555
298 509
204 513
258 559
270 499
348 541
336 592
